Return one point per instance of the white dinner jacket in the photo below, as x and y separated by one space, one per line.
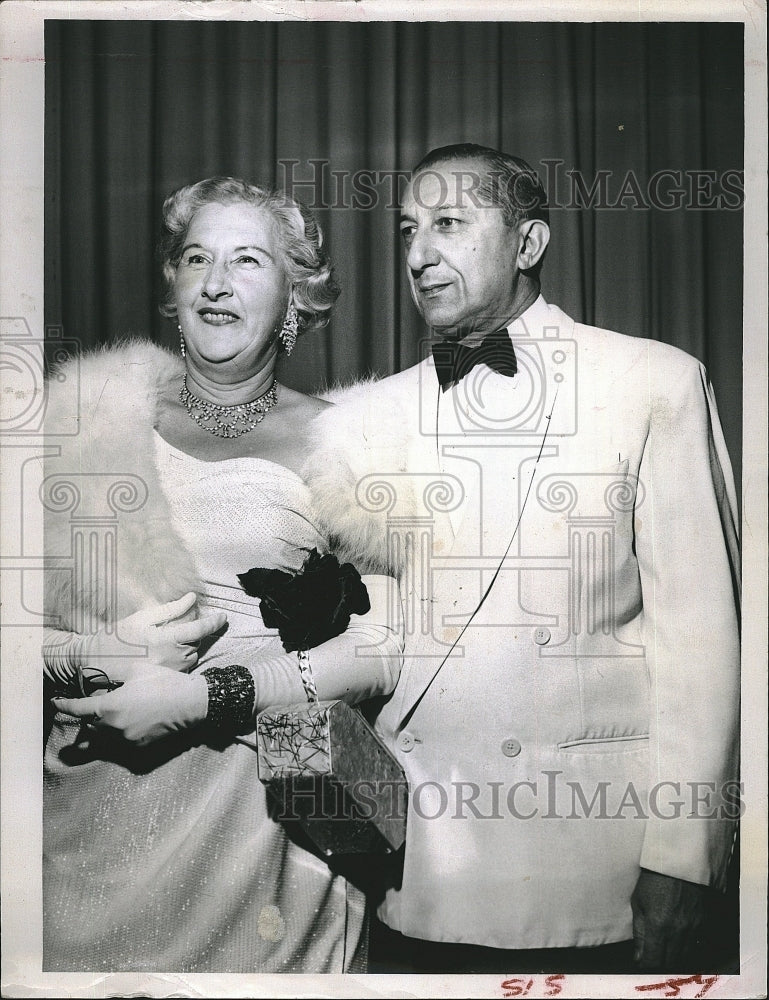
602 667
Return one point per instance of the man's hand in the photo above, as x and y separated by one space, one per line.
668 914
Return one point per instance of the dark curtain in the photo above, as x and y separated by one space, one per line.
135 109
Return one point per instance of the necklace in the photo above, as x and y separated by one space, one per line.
228 421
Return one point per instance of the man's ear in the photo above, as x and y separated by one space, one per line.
535 235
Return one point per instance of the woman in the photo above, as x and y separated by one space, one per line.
182 472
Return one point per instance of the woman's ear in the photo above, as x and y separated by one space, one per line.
535 235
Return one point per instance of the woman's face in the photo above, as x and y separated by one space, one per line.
231 289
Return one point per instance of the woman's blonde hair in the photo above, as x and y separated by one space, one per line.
313 286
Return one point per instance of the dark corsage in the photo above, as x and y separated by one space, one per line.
311 606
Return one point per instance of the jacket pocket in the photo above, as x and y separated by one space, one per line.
606 744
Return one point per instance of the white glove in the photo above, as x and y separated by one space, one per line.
161 636
144 709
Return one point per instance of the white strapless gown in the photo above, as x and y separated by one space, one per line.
162 862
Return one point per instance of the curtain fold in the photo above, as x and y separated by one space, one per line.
134 109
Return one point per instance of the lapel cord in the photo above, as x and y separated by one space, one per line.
405 721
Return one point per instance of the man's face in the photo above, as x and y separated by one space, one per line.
460 255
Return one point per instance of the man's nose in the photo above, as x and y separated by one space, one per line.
217 281
422 251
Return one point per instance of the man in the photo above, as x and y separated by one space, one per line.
558 503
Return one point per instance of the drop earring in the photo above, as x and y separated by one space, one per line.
290 328
182 346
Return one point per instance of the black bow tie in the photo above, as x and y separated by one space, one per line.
454 360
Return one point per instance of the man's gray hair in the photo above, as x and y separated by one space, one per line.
506 181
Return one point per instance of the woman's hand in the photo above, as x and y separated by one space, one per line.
164 635
153 705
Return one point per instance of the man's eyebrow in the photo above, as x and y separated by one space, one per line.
437 209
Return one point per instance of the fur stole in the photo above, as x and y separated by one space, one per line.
103 482
361 451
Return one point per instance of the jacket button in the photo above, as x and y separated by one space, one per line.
511 748
541 636
406 742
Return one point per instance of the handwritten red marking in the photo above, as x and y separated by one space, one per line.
517 987
672 986
521 987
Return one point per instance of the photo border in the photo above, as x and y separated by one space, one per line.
21 321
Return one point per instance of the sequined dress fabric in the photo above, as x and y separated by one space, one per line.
169 860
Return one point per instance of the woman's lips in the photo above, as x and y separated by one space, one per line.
217 317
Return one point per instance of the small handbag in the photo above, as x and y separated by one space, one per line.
325 766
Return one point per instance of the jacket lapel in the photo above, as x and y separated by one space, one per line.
541 341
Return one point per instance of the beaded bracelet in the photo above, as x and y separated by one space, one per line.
231 698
